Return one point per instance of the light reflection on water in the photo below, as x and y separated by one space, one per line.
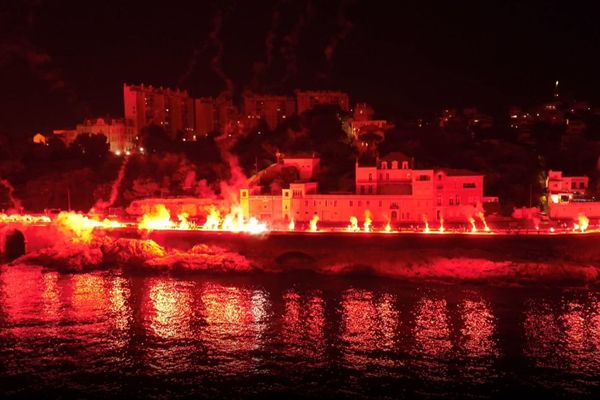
99 332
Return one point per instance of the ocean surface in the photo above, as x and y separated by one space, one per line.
108 334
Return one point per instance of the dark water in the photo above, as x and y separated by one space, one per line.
105 335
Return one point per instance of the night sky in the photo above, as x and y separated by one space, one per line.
63 60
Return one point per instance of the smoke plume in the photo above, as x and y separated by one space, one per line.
16 204
344 27
114 191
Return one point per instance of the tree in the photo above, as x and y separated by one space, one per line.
92 149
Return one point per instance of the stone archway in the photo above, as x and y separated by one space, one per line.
14 244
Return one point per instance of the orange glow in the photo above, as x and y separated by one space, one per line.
442 229
388 228
23 219
368 221
291 225
183 221
313 223
353 227
81 226
158 218
213 219
582 223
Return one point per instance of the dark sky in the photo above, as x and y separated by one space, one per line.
63 60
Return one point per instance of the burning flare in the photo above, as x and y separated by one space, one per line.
582 223
291 225
426 229
442 229
388 228
313 223
81 226
353 227
473 227
23 219
213 219
368 221
232 222
158 218
486 228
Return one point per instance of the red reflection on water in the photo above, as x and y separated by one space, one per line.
89 297
431 330
120 307
235 319
580 349
170 314
541 332
564 336
50 296
303 325
21 294
478 327
367 327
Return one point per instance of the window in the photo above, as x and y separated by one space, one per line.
370 177
384 165
457 200
370 189
362 189
573 185
351 203
581 185
469 185
439 200
360 203
439 177
380 203
451 202
306 203
394 164
423 178
404 164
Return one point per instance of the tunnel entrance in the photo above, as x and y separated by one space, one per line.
15 244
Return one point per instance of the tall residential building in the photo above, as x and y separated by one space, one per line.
306 100
272 109
173 110
206 115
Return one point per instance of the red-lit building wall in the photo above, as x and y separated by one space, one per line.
306 100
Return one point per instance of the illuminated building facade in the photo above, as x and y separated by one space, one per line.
390 191
121 137
173 110
306 100
567 197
